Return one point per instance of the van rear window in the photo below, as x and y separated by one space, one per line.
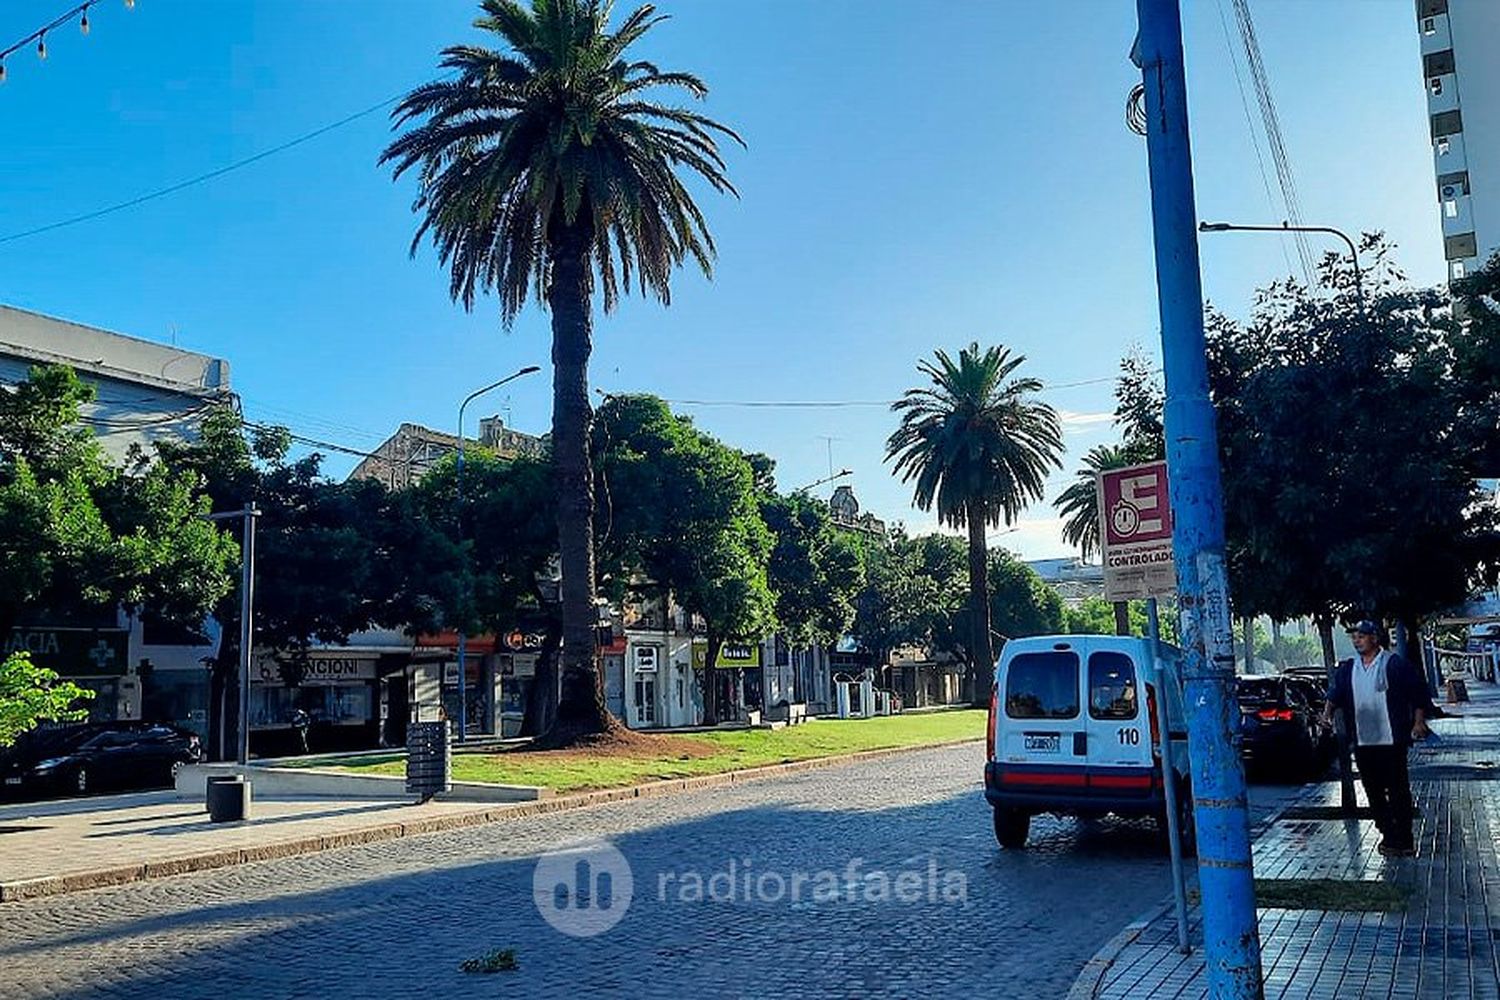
1112 691
1042 686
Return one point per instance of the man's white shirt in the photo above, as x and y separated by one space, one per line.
1372 719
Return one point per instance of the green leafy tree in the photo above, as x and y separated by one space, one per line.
1348 475
30 694
332 558
504 533
1020 603
977 446
549 167
78 534
684 520
814 572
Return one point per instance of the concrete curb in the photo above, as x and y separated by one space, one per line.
54 885
1092 975
1094 970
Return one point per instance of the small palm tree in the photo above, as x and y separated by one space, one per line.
977 445
550 169
1079 503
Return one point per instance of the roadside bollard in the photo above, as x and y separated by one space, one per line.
228 798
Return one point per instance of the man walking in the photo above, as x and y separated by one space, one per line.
1384 700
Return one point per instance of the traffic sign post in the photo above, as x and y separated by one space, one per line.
1135 536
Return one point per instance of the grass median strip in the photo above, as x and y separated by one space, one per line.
686 756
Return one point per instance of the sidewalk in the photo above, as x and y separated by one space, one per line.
1441 942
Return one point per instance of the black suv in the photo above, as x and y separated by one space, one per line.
96 757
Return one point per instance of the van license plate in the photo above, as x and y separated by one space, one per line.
1046 743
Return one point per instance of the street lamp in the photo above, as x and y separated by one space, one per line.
247 598
463 639
1285 227
826 479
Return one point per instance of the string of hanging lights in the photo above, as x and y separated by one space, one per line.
81 12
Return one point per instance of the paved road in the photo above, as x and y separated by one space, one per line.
397 918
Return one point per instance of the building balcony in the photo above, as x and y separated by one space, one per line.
1434 33
1442 93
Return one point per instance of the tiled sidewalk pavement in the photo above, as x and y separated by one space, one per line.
1443 945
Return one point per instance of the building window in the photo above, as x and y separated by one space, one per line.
1429 26
1454 184
1447 123
645 699
1438 63
1460 246
1431 8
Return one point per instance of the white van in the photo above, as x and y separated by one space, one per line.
1073 731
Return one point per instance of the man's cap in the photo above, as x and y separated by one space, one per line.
1366 627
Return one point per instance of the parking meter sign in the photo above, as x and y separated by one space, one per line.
1135 532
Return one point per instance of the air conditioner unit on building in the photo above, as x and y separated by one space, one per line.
1451 191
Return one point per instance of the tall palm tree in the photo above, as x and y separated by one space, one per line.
1079 506
978 445
550 167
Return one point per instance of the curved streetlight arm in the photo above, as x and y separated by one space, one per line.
1230 227
480 392
826 479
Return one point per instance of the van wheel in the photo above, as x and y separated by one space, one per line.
1012 827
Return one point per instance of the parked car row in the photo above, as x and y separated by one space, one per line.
1280 737
96 757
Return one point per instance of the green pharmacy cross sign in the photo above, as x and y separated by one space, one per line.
72 652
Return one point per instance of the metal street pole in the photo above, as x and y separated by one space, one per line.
1230 227
463 638
1158 671
1231 936
247 626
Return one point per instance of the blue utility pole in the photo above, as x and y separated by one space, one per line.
1231 938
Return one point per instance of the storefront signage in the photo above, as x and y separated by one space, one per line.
1135 532
645 659
72 652
732 655
323 670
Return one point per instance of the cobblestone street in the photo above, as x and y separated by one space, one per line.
397 918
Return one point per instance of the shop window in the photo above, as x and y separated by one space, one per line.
645 700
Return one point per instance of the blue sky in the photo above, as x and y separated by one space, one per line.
919 174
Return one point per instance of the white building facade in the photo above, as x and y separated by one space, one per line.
1459 41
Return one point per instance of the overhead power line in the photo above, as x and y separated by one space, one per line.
201 178
1272 124
796 404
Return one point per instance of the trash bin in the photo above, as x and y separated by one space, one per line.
228 798
208 783
429 759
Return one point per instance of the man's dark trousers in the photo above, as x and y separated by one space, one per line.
1382 770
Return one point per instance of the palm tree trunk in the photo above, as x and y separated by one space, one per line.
580 707
1122 618
982 657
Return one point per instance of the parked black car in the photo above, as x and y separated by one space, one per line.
1279 733
96 757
